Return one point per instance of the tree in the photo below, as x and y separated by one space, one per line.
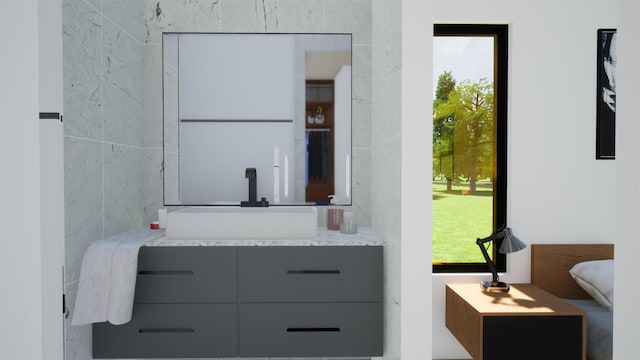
446 84
471 105
443 129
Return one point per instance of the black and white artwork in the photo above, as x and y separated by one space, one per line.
606 105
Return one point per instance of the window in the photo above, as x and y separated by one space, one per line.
469 144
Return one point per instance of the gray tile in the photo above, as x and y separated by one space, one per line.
361 123
179 15
82 66
152 188
304 16
123 97
123 189
273 16
361 72
385 180
83 200
386 85
127 14
349 16
361 92
242 16
153 90
97 4
361 178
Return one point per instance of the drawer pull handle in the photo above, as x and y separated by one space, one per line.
165 272
313 272
313 329
166 331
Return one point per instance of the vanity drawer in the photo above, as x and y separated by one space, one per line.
170 330
310 274
279 330
186 275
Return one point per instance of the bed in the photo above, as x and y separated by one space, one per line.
550 270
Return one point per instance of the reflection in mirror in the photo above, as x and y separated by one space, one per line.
280 103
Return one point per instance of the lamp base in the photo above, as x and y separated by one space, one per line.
491 286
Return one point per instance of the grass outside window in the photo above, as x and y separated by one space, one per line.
458 219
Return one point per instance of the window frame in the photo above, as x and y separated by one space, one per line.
500 32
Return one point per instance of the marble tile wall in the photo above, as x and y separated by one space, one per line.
386 155
113 106
103 133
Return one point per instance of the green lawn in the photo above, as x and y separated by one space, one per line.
457 221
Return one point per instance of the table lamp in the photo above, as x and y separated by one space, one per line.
510 244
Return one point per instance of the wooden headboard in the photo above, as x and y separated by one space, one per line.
550 266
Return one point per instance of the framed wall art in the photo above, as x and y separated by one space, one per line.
606 98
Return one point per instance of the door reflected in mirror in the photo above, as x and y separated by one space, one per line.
279 103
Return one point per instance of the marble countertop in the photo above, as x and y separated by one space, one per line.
364 237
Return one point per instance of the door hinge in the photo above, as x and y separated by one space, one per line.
65 310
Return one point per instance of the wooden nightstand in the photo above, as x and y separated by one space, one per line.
525 323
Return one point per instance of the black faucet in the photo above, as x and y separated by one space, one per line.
250 173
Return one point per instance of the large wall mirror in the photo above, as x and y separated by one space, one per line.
279 103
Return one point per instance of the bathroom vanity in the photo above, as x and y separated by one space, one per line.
244 298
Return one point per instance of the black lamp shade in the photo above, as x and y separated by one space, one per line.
510 243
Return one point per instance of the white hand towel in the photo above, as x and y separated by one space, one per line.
106 288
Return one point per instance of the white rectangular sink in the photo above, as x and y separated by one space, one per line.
227 223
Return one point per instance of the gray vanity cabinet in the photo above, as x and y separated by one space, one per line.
170 330
184 306
310 301
251 301
310 274
186 275
314 329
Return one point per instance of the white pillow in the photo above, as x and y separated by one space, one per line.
596 278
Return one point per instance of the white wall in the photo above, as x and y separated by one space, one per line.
31 182
20 242
627 228
51 176
416 325
557 192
